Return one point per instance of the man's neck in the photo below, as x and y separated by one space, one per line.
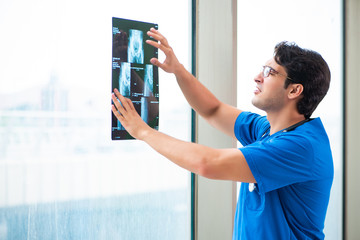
280 121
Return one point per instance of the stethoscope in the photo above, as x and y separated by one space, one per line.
252 186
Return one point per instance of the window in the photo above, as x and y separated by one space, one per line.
61 176
311 24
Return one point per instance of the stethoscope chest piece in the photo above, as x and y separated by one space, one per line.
252 187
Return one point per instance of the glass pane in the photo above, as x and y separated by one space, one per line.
315 25
61 176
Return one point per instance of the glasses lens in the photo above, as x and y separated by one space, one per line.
266 71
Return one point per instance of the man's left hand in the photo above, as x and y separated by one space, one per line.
129 118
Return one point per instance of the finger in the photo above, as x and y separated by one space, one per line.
116 113
158 36
118 104
154 32
118 100
116 92
157 63
126 103
131 104
162 47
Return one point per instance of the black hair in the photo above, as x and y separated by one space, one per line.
305 67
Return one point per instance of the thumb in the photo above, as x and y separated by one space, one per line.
157 63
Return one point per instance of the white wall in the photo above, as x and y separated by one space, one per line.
216 68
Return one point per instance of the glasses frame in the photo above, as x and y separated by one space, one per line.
267 70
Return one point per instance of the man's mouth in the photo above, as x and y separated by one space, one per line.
257 90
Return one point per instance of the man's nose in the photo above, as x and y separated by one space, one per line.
259 78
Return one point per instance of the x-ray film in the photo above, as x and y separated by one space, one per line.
133 74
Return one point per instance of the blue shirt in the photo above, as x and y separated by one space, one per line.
294 173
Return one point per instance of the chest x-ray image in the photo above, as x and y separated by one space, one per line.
133 74
136 48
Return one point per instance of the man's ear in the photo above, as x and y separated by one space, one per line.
296 90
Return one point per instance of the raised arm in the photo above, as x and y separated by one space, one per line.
223 164
217 113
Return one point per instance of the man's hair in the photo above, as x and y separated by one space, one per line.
305 67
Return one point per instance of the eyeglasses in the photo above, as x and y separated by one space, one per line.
267 70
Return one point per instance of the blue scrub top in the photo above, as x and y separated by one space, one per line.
294 173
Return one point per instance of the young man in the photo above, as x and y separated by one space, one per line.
285 163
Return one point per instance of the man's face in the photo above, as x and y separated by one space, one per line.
270 94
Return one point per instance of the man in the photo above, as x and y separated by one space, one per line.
285 163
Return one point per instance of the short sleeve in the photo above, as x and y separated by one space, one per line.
280 161
249 127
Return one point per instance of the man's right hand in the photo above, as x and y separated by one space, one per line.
218 114
171 63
